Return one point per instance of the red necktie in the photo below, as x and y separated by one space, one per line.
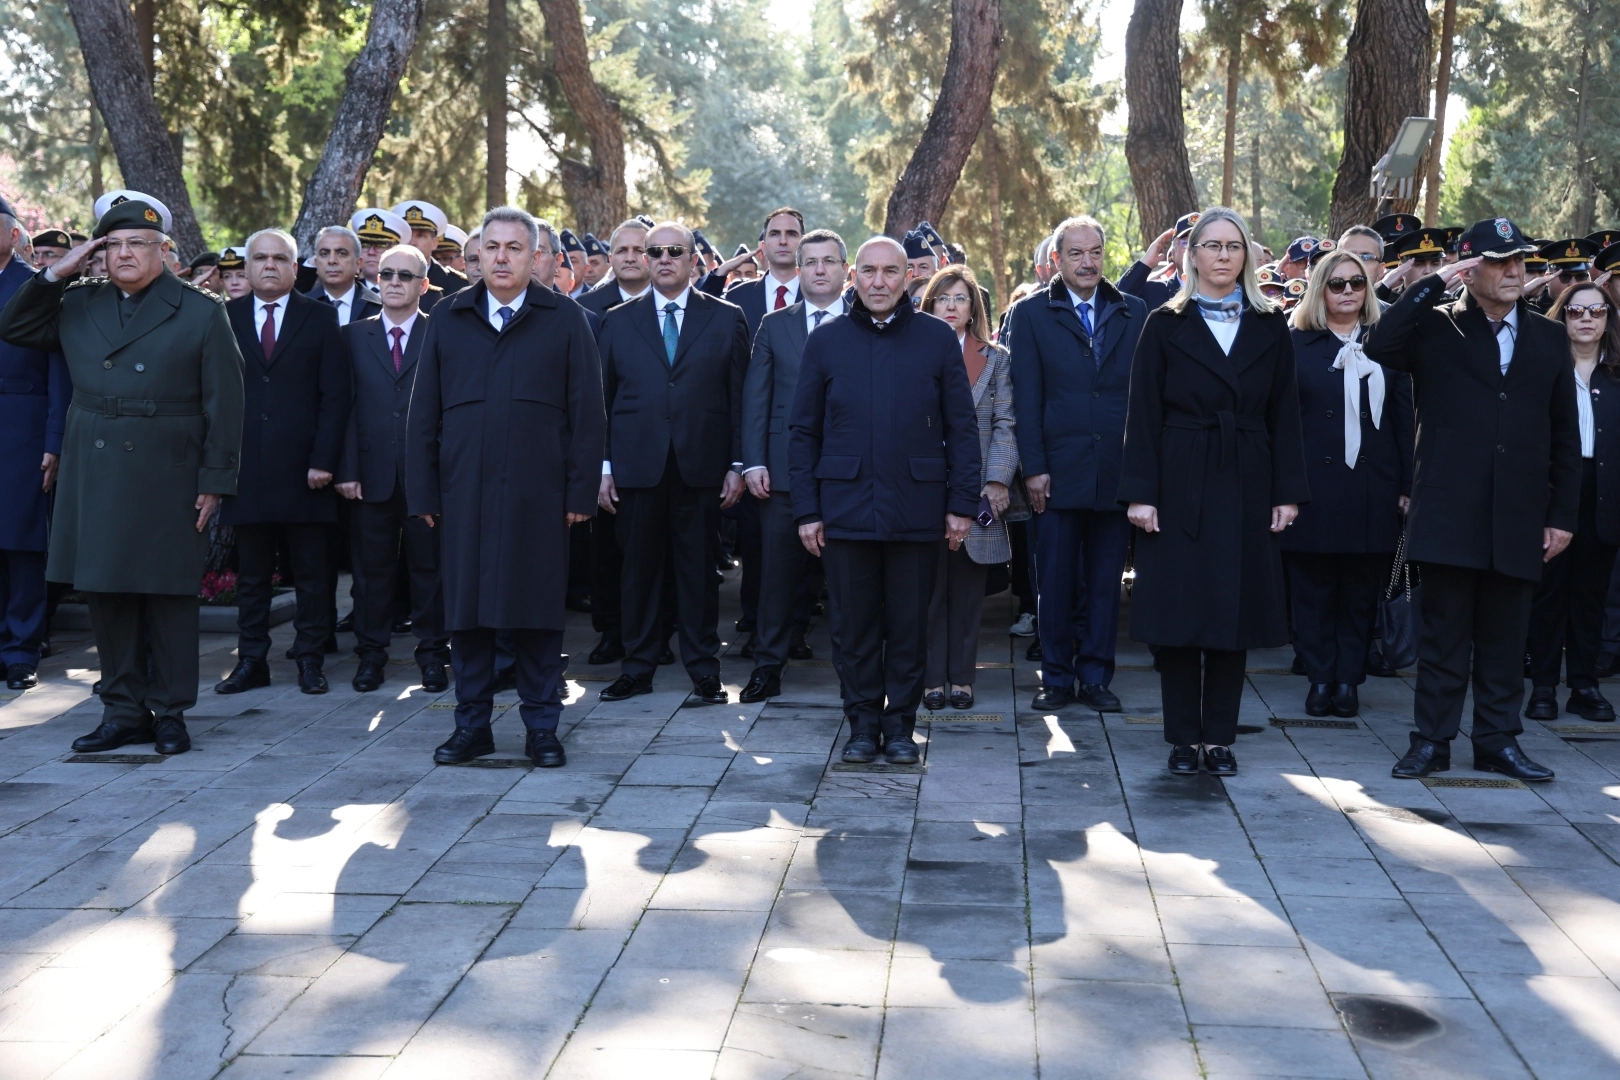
399 353
267 336
781 298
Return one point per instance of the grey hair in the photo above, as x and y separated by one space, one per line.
881 239
553 244
634 223
412 250
7 223
1257 301
516 216
691 241
280 234
821 236
1079 221
1363 230
348 234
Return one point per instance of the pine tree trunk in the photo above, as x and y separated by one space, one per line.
371 80
1586 188
123 93
1387 65
1234 57
1257 226
998 237
1442 90
496 67
925 187
596 191
146 29
1156 143
98 183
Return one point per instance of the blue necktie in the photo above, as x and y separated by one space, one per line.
506 314
672 332
1085 316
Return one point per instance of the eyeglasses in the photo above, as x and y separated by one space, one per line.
136 246
1215 247
404 276
1354 284
1596 311
953 298
1368 257
658 251
1573 275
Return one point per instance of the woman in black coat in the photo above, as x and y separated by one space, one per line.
1566 616
1358 428
1213 472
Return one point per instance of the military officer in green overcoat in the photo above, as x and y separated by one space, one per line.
153 437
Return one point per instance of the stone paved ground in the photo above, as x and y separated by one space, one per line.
702 893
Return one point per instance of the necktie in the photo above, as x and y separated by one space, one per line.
672 333
506 314
267 335
399 351
126 309
1085 316
1496 335
781 298
818 316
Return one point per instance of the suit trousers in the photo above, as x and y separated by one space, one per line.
132 629
747 549
1079 560
607 564
880 593
670 529
953 618
1335 603
383 535
1478 617
256 564
784 563
540 666
22 607
1566 613
1200 706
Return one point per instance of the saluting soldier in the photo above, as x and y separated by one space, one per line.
153 438
49 246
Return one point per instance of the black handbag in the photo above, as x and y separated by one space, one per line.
1398 620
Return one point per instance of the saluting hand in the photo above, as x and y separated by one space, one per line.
206 505
1453 271
1155 252
74 261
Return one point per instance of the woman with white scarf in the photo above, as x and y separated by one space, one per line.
1358 428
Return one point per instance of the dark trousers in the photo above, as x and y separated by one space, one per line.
747 548
22 607
784 564
1079 559
256 563
671 528
383 535
607 565
579 561
953 617
1023 566
1476 616
132 629
1566 613
1334 599
1200 706
880 593
540 666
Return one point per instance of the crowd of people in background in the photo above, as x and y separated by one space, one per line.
490 427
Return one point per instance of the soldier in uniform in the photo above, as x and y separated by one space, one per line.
448 252
49 246
378 230
152 443
427 223
204 271
233 279
596 260
574 254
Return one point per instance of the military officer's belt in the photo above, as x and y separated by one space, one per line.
111 407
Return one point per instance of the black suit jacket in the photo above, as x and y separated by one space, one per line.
445 278
1498 456
602 299
773 375
296 409
751 297
374 450
693 406
367 302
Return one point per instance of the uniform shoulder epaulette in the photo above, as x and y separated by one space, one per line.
77 282
211 294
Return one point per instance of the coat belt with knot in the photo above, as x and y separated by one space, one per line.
1229 424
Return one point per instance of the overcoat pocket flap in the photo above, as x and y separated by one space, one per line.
929 469
838 468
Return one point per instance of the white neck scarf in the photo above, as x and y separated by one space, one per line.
1357 366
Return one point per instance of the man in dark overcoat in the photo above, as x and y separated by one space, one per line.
505 453
152 442
1496 492
297 394
34 392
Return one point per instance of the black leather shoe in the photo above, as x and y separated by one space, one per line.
21 677
1543 704
544 750
961 699
1099 697
745 625
434 679
402 626
247 675
1378 666
747 650
291 653
1604 664
344 625
901 750
110 737
95 688
1184 761
580 602
1034 651
1346 700
667 657
625 686
467 743
1053 697
1298 666
1590 704
311 680
1319 699
1511 761
608 650
709 690
369 677
860 750
504 679
764 683
170 736
1219 761
934 700
798 649
1422 758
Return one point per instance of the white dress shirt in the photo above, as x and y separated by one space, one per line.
831 311
772 284
1077 303
344 304
495 306
259 309
1583 405
389 326
625 297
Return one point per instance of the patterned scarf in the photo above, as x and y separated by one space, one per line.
1227 309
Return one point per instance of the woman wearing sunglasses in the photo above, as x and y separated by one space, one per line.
1566 616
1359 438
